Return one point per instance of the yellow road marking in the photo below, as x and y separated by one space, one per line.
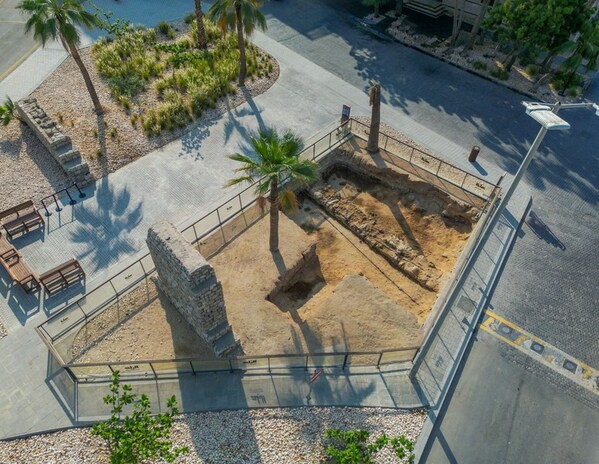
514 326
19 61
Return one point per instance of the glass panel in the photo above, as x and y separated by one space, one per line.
172 367
147 263
248 364
248 196
211 366
288 362
229 209
207 224
91 373
326 360
398 356
128 277
135 370
58 325
98 297
362 359
189 234
322 145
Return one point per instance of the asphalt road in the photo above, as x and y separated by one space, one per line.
500 413
15 46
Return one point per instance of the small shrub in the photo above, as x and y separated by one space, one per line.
113 133
95 133
163 27
500 74
573 92
7 112
480 65
140 436
128 85
60 118
532 70
134 118
351 446
189 18
98 153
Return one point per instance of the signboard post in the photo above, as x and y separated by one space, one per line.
345 112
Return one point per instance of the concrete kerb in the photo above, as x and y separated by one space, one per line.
424 437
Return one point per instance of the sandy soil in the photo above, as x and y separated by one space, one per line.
152 328
27 170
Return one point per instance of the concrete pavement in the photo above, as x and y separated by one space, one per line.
499 412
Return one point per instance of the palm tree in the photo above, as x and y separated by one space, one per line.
242 16
7 112
375 119
585 49
58 19
276 161
202 42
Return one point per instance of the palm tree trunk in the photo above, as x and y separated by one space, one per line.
398 7
479 20
274 216
88 81
375 119
202 42
241 42
510 59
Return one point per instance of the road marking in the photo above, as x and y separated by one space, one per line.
22 58
8 21
541 351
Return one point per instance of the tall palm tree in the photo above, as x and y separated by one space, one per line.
58 19
375 119
202 41
242 16
276 160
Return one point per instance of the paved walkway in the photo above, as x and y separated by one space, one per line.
181 179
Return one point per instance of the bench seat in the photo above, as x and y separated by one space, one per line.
17 269
21 218
62 276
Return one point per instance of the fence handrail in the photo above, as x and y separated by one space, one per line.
415 148
221 222
244 358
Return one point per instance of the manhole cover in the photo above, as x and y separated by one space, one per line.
570 366
537 347
506 329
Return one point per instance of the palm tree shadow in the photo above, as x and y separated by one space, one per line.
105 232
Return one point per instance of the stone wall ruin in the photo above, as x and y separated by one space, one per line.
190 283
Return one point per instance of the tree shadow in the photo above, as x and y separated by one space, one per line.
105 231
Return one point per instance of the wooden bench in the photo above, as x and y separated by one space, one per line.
21 218
18 270
62 276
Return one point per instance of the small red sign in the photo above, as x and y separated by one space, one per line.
315 376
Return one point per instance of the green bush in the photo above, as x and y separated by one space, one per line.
140 436
189 18
500 74
479 65
352 447
165 28
187 81
532 70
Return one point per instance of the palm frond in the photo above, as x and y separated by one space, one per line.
288 200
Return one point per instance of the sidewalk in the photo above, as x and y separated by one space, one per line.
183 178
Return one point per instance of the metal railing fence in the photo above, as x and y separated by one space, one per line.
59 330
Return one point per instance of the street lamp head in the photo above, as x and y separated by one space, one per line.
596 108
544 115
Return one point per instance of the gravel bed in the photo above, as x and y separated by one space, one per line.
242 436
65 98
27 170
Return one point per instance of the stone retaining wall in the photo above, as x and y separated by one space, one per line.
57 143
190 283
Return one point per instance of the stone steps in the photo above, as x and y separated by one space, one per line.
431 8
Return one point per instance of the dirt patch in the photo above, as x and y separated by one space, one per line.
156 330
417 228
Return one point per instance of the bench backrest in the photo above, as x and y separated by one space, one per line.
70 263
16 209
